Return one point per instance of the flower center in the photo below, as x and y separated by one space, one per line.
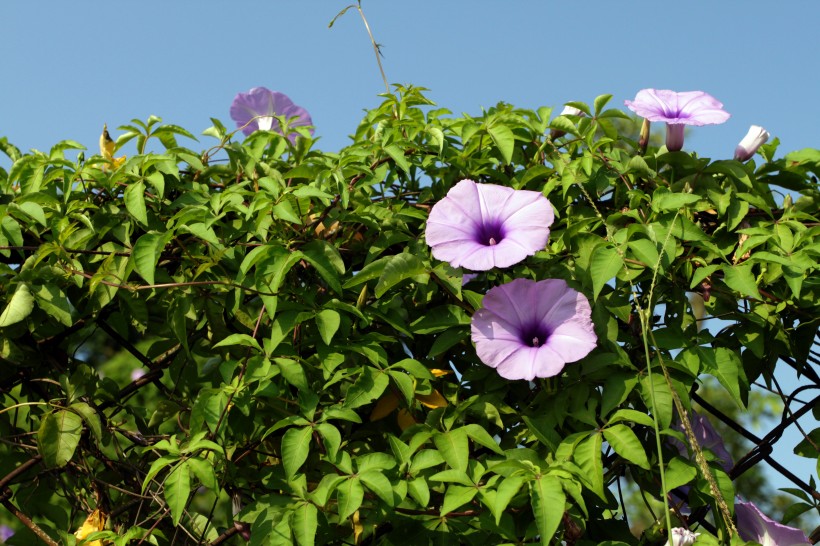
265 123
535 335
490 233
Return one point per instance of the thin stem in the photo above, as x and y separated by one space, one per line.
376 48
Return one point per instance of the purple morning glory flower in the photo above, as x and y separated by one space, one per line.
707 437
481 226
530 329
255 110
752 524
676 110
6 533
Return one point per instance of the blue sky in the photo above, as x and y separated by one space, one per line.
69 67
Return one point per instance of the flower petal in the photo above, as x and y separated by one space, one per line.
529 329
752 524
261 101
496 226
687 107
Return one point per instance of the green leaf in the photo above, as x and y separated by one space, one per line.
600 102
398 268
504 141
304 522
239 339
90 417
349 495
177 488
295 448
722 363
372 270
741 279
587 455
397 155
205 473
327 261
480 436
564 124
51 299
626 444
679 472
663 201
327 321
378 484
454 447
146 253
58 437
547 499
440 318
663 397
419 490
604 264
498 500
455 496
369 386
634 416
293 373
19 307
332 438
134 197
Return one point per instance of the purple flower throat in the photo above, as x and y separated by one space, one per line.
534 334
490 232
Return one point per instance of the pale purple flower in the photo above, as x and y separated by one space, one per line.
528 329
754 139
137 373
481 226
677 110
707 437
752 524
6 533
682 537
255 110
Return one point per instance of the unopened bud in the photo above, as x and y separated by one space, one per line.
567 111
754 139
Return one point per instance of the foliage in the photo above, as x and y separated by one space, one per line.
307 361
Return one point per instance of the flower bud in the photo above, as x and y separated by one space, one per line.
754 139
567 111
682 537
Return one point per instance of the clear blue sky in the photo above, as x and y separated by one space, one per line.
69 67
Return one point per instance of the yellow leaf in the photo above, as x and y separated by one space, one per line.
107 144
405 419
358 528
432 400
107 148
385 406
439 373
93 523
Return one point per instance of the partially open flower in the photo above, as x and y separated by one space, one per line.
677 110
682 537
481 226
255 110
528 329
752 524
754 139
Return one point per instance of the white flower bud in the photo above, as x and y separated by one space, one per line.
754 139
682 537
